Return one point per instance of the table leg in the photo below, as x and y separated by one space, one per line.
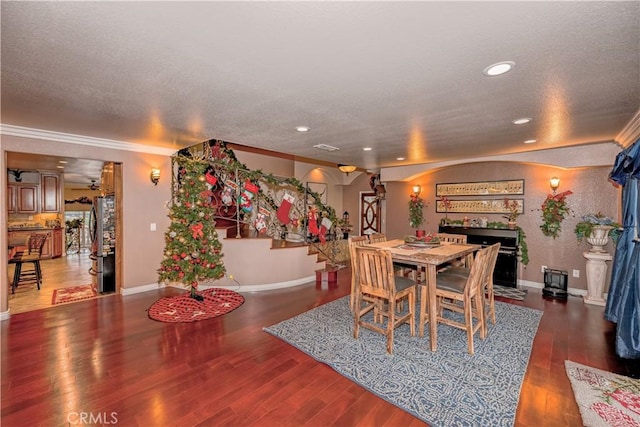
433 315
423 309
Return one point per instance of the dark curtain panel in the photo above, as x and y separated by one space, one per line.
623 301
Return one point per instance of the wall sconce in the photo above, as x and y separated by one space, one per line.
345 217
416 190
554 183
155 176
346 168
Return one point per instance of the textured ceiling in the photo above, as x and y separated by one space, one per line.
404 78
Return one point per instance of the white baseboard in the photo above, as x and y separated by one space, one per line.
255 288
143 288
4 315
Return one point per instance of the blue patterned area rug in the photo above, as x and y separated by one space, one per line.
443 388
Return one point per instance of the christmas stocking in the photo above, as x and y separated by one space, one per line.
313 222
285 207
325 226
250 190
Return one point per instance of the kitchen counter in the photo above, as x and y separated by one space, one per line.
52 248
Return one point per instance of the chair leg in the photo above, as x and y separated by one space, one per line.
468 318
391 326
36 265
16 277
491 303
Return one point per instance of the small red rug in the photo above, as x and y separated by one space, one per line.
183 308
73 293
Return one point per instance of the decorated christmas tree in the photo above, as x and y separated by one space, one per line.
192 250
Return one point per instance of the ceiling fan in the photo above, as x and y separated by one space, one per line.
93 186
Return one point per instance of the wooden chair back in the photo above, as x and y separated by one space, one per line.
375 274
36 243
377 238
354 241
488 282
452 238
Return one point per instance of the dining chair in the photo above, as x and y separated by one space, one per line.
32 255
464 295
354 241
460 239
487 281
377 237
375 279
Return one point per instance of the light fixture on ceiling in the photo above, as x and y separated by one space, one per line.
155 176
303 128
521 121
400 158
530 141
367 149
346 168
554 183
416 190
499 68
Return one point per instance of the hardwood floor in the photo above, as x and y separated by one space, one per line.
63 272
106 358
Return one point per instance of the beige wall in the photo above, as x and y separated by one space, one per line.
143 204
592 193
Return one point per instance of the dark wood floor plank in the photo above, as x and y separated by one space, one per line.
106 355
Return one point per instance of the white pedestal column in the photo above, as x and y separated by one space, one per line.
596 276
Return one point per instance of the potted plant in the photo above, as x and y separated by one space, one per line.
512 216
416 218
597 229
554 209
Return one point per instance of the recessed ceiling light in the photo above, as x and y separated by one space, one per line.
498 68
530 141
400 158
64 162
521 121
60 167
303 128
367 149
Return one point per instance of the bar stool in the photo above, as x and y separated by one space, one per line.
32 255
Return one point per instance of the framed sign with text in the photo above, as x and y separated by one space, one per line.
481 206
484 188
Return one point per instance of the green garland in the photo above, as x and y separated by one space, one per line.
228 161
523 249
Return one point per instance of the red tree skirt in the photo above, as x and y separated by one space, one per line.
183 308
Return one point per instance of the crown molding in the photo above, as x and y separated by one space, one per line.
631 132
47 135
577 156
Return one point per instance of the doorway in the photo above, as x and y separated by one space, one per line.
370 214
72 268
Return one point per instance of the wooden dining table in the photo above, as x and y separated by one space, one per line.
427 258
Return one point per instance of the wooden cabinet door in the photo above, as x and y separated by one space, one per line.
11 199
47 249
57 243
50 193
27 199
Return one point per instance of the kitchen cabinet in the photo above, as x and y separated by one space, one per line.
11 198
50 192
22 198
56 243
